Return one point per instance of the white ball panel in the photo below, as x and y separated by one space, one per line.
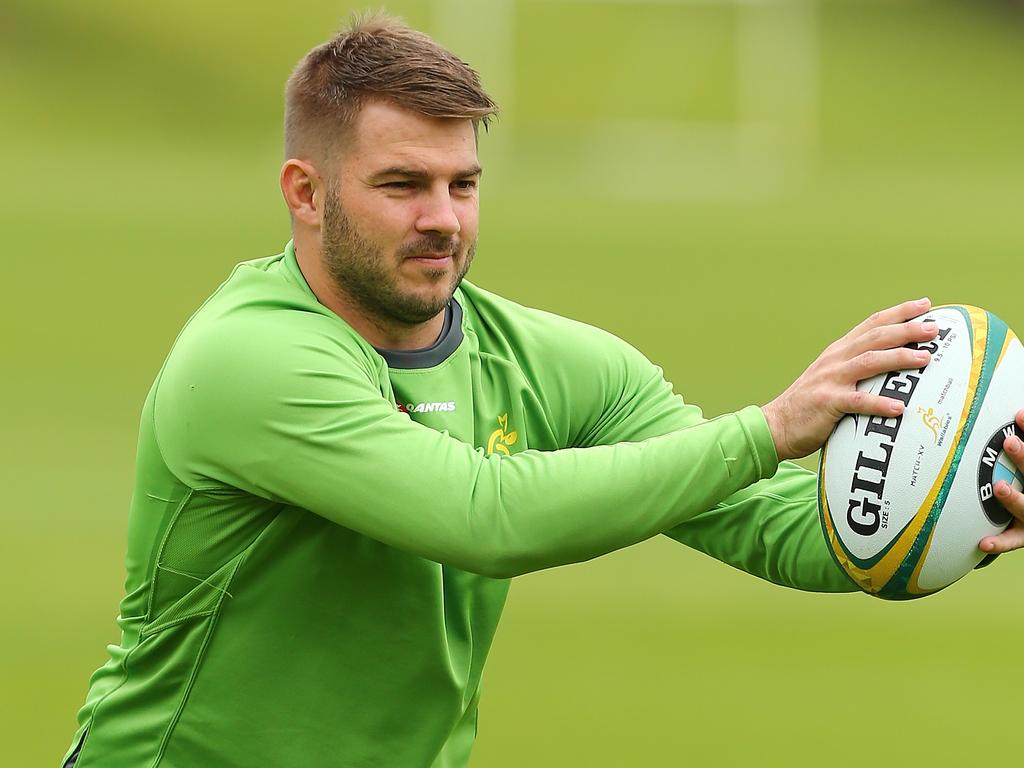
925 439
963 522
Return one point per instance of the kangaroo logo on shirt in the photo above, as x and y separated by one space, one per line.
501 439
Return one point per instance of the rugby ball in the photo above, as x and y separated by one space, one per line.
904 501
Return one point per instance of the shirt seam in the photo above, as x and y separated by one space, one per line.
91 723
154 566
200 657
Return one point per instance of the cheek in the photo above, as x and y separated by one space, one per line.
383 221
469 219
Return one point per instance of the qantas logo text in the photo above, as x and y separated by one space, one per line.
427 407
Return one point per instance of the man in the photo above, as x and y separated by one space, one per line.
349 450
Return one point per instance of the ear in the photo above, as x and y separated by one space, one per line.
304 190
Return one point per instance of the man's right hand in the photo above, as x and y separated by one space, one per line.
802 417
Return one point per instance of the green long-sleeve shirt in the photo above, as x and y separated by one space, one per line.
321 533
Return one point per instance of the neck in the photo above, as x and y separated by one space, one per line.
389 335
380 332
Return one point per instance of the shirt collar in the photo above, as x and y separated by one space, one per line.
425 357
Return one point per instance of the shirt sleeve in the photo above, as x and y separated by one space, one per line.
290 414
769 529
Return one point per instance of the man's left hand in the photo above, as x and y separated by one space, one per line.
1012 499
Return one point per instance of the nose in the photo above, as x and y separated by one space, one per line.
438 215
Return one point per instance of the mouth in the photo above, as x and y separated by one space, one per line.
433 255
433 259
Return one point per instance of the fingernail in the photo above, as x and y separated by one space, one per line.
1002 489
1015 444
929 324
923 301
922 356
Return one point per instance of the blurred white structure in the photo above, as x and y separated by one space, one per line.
763 153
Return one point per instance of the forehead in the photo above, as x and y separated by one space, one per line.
386 135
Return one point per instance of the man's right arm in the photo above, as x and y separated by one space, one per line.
293 416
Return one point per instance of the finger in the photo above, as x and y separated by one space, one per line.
1020 419
859 401
890 336
898 314
875 361
1014 448
1010 539
1011 499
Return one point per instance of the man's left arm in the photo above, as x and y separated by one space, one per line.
769 529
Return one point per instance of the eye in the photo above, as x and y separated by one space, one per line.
465 185
398 185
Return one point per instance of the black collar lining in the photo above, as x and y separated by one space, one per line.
436 353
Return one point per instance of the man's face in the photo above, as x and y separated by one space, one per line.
399 224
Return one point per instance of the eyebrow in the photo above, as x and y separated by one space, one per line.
410 173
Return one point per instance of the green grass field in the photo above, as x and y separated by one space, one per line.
729 186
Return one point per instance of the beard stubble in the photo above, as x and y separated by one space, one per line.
361 271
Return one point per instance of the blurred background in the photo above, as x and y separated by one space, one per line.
728 184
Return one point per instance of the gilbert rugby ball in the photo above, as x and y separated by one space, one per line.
904 501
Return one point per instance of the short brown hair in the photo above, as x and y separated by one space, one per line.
375 57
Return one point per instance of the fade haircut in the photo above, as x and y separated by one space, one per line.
376 57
